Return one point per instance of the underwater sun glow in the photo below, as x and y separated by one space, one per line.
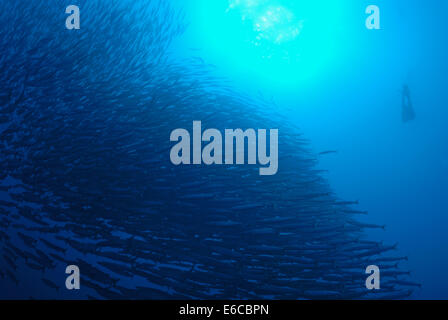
280 43
274 23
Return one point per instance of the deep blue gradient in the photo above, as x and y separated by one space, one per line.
351 103
86 177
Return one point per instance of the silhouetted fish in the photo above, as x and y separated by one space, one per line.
88 115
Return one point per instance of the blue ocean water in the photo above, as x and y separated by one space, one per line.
108 94
344 92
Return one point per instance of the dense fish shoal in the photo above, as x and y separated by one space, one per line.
86 178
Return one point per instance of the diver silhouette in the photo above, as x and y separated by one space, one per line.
408 113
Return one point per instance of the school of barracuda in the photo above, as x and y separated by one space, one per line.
85 120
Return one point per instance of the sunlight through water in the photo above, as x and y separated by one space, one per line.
276 43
